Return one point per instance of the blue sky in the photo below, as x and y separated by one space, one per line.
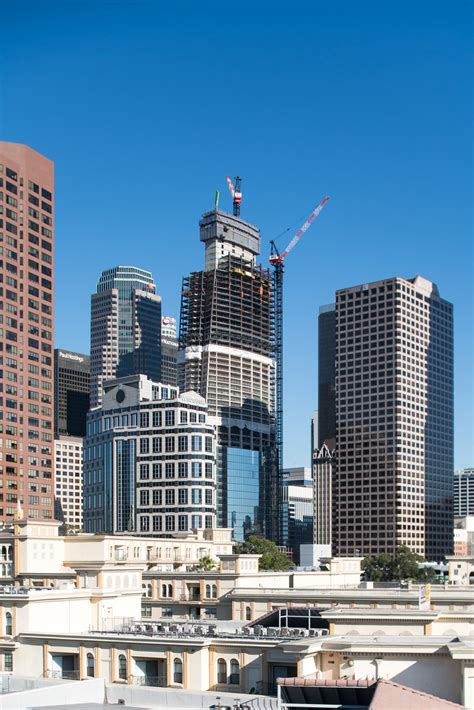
146 106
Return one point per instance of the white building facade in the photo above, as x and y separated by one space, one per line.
68 480
149 460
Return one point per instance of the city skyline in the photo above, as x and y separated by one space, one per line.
392 154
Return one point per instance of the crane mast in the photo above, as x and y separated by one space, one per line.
277 260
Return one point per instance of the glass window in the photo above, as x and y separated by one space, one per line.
90 665
234 672
221 671
122 667
177 671
196 443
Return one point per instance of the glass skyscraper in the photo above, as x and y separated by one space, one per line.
242 493
125 327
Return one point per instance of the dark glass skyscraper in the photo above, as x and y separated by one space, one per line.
71 392
326 375
125 328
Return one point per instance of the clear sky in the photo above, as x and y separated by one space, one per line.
146 106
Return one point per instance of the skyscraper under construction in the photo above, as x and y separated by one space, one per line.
226 354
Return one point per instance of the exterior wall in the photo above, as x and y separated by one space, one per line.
71 392
149 461
394 440
68 480
439 676
125 327
26 224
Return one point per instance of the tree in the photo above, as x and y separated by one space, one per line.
205 564
402 566
271 558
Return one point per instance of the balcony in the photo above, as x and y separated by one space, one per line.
159 681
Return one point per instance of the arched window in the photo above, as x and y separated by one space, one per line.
90 665
214 591
221 671
148 589
163 590
248 613
234 672
208 591
177 670
122 667
8 624
170 590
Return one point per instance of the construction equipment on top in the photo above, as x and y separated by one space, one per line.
236 194
277 260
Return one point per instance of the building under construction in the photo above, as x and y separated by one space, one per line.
227 349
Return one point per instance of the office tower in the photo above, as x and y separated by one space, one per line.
297 514
149 460
464 492
26 375
125 328
169 351
298 476
394 398
68 480
71 392
314 431
324 462
226 354
326 375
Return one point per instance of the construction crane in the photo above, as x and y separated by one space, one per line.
277 260
236 194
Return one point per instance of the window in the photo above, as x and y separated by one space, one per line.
170 496
8 661
169 443
144 446
196 496
221 671
144 497
234 672
122 667
169 417
196 443
182 469
156 496
157 470
183 496
248 613
8 624
182 443
177 670
90 665
196 469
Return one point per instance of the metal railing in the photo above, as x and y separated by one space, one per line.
159 681
65 675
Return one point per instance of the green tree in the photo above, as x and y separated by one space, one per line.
271 558
402 566
205 564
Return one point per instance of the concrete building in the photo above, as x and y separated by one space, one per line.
117 608
169 351
149 460
68 481
464 535
394 418
71 392
227 355
298 476
324 494
125 328
26 376
464 492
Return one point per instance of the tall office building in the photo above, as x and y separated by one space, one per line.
169 351
26 338
149 460
326 375
226 354
394 418
464 492
296 518
71 392
125 328
68 480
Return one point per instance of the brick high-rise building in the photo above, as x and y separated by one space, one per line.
125 328
26 373
394 419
